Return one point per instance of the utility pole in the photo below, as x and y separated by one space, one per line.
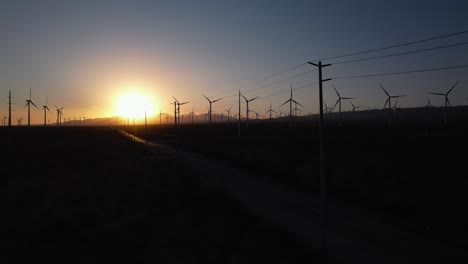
175 114
9 108
146 130
239 115
323 184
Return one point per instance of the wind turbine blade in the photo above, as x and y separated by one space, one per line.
56 106
386 102
175 99
297 103
217 100
448 101
285 102
336 91
254 98
396 96
351 102
348 98
452 88
437 93
384 90
337 101
34 104
206 98
26 104
244 97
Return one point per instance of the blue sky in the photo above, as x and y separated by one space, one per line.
84 54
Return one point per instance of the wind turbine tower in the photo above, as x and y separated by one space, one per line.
290 101
45 108
211 102
28 104
247 101
447 102
271 111
338 102
389 101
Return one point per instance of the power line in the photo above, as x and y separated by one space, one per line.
402 53
397 73
264 79
342 56
393 46
285 91
280 81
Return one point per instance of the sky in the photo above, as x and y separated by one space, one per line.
86 55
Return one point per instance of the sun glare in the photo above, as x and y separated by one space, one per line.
134 105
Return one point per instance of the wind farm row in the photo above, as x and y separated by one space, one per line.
230 110
294 110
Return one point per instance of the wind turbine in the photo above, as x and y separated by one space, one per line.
28 104
192 113
59 115
447 101
211 102
247 101
296 109
327 109
338 102
270 111
229 113
45 108
178 110
389 99
389 102
290 101
354 107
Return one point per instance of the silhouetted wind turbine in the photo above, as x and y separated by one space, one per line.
247 101
389 99
28 104
178 109
338 102
211 102
229 113
192 113
389 102
354 107
326 108
59 115
296 109
447 101
45 108
270 111
290 101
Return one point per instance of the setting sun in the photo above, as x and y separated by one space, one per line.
134 105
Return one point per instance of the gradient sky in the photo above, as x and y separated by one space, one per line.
85 54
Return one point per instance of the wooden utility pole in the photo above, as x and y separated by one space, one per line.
9 108
239 117
323 183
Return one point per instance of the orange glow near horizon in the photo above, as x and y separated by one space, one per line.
134 105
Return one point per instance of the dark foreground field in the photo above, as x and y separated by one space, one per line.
89 195
409 176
